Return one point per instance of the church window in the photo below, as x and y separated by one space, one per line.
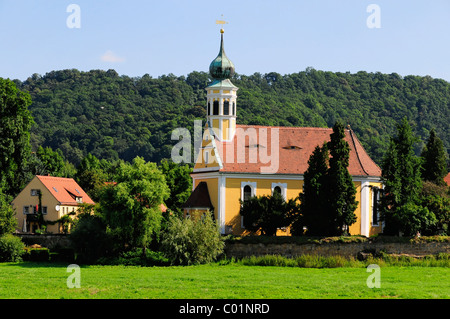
247 193
280 188
209 108
234 109
277 189
216 108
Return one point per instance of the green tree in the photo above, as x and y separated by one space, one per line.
267 213
340 189
434 160
312 198
399 205
179 181
91 176
15 124
189 241
8 221
131 207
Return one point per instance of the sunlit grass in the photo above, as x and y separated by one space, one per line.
36 280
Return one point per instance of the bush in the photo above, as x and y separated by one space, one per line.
192 240
136 257
36 254
11 248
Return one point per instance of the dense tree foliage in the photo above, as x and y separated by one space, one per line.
112 116
434 160
340 190
15 123
267 213
400 204
313 208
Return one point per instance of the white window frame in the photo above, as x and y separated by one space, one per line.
373 202
283 187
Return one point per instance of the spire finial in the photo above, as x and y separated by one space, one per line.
222 22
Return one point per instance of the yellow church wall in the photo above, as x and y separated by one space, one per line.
356 227
225 129
263 187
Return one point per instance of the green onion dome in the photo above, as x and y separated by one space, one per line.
221 67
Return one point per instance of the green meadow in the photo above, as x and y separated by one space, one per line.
30 280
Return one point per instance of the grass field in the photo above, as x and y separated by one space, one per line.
49 281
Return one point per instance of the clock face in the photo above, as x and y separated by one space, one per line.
57 208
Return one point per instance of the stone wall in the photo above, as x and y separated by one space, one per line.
240 250
49 241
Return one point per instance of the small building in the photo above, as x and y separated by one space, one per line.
57 196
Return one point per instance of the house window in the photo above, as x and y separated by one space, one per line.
79 199
35 192
226 108
375 202
44 210
216 108
26 209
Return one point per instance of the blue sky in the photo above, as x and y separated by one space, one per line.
136 37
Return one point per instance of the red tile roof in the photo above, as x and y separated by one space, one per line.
295 146
65 190
447 179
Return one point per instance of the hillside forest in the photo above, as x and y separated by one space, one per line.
114 116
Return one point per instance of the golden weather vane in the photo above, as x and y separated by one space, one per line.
221 22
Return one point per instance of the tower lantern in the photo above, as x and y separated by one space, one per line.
221 96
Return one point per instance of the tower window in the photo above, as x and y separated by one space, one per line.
226 108
216 108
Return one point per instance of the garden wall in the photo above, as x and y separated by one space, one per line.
50 241
240 250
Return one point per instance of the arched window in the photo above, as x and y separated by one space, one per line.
247 192
226 107
277 189
216 108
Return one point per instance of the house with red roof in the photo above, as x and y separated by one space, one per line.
57 196
236 162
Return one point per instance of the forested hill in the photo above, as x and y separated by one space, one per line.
114 116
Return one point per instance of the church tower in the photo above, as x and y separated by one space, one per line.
221 96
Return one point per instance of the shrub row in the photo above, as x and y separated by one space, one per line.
315 261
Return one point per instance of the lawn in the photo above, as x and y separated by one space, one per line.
49 281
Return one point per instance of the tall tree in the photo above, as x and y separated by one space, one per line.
312 199
132 206
434 160
15 124
179 181
341 192
401 177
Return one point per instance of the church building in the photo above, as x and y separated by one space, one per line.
236 161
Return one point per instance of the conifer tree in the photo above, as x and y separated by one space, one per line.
340 190
434 160
312 199
401 177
